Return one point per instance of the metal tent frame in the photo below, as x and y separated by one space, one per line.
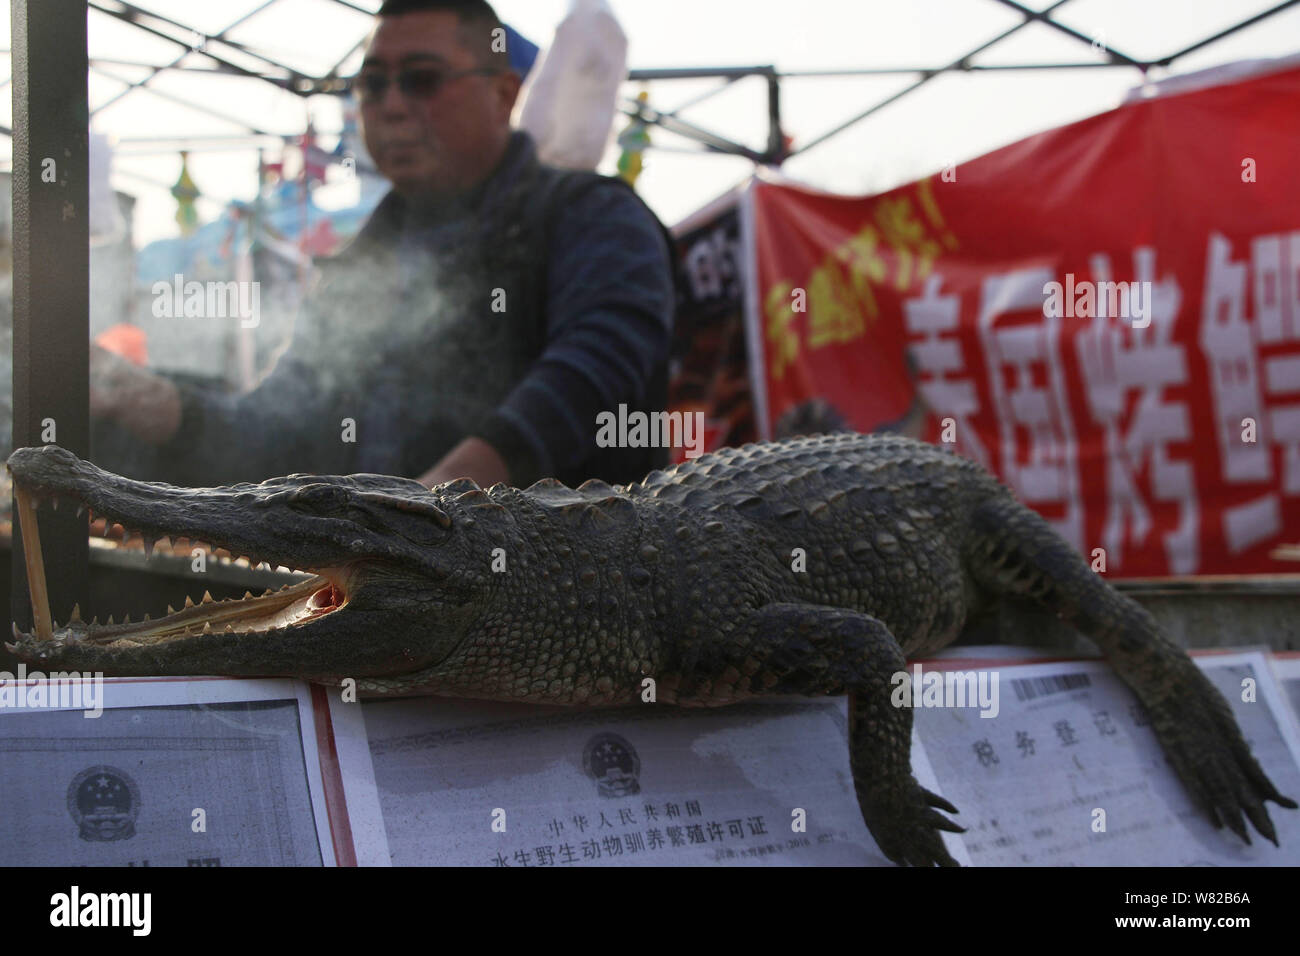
230 57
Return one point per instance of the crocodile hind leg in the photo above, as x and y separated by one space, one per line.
814 650
1013 550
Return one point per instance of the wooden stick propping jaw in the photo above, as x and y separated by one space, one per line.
35 564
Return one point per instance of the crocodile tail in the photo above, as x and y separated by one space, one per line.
1014 551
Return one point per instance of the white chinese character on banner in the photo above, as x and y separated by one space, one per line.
1276 263
1227 345
1232 346
1117 358
940 364
1037 399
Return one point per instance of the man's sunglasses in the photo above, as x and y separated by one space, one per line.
415 82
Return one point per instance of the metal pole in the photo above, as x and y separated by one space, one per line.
775 134
51 250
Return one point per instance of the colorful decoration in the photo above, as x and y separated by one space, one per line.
267 173
126 340
185 191
634 140
314 159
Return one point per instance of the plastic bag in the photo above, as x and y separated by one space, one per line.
569 102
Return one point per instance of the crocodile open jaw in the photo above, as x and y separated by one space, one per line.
295 604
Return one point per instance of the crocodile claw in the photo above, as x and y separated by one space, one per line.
905 825
1204 745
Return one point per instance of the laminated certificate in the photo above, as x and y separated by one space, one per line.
170 772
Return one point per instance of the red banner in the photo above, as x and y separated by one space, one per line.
709 371
1107 315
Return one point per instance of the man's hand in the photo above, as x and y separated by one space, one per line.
472 458
144 403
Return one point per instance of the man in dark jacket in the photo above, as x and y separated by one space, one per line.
489 309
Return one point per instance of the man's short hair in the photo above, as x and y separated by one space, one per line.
478 23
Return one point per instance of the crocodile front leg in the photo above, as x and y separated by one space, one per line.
813 650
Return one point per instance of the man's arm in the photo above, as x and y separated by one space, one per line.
610 310
143 402
472 458
205 437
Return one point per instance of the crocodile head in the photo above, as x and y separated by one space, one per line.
394 584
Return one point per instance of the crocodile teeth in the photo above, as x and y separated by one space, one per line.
207 627
76 613
189 601
81 510
148 549
207 597
170 609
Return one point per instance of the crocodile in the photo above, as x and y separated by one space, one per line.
810 566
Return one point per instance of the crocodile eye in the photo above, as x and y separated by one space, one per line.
320 497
